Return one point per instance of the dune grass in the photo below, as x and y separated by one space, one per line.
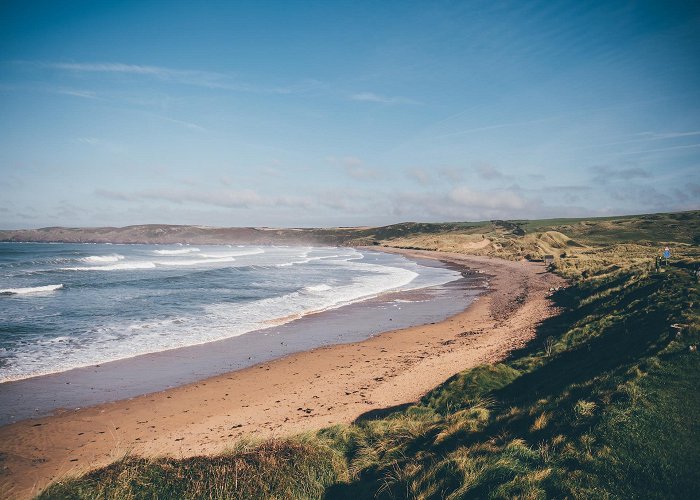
291 468
603 403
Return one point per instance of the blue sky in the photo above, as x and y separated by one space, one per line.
345 113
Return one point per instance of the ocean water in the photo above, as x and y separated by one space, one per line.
65 306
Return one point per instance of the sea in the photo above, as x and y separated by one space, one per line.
69 306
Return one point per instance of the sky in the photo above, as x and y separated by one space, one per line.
333 113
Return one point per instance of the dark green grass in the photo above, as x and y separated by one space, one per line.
607 411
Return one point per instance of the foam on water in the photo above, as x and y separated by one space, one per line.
189 256
99 259
32 289
191 298
256 251
125 266
194 262
179 251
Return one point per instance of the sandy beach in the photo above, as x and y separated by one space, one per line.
300 392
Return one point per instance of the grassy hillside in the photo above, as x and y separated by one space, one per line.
505 236
603 403
581 247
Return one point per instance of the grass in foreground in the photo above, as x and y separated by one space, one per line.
294 468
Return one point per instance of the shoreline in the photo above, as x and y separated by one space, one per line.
300 392
109 381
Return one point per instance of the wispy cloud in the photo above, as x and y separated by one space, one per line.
489 172
199 78
227 198
432 175
500 199
354 167
186 124
463 203
658 150
607 173
372 97
421 175
85 94
497 126
668 135
553 118
114 195
641 138
112 68
98 143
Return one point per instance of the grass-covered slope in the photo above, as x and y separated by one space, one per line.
274 469
580 247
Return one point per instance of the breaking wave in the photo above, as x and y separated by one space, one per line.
33 289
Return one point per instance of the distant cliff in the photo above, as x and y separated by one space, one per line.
162 233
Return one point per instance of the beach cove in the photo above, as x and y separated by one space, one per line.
299 392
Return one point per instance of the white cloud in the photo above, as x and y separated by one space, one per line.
672 148
422 175
224 198
102 144
668 135
434 175
354 167
499 199
188 125
645 196
227 198
207 79
607 173
372 97
114 195
112 68
496 126
85 94
451 174
489 172
465 204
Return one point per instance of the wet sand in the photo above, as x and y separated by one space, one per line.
303 391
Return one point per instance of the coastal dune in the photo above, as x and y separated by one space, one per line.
301 392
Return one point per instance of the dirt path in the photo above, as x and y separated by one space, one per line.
304 391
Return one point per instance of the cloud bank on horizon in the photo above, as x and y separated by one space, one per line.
326 113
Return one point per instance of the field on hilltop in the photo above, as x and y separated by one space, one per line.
578 246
